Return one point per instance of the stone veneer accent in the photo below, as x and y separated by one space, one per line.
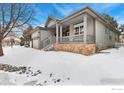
85 49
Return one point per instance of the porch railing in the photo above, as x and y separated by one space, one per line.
47 41
77 39
90 39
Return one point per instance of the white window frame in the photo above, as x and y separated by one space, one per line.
79 25
107 31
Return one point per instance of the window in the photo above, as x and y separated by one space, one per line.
81 29
106 31
78 29
65 32
110 37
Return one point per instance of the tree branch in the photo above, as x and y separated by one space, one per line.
20 14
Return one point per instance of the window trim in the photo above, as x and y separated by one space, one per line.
79 25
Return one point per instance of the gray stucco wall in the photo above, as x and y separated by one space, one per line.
104 36
38 36
90 30
35 40
44 34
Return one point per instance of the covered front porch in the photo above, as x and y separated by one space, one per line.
74 31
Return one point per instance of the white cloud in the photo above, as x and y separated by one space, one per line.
67 9
120 17
64 11
106 7
121 21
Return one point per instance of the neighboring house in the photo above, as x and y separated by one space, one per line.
82 27
11 38
122 37
41 38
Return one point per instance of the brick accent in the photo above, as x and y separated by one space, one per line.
85 49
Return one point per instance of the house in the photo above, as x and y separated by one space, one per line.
11 38
121 37
41 38
82 30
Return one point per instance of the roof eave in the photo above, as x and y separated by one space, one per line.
85 10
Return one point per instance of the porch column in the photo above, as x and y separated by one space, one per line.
85 28
57 33
71 32
61 33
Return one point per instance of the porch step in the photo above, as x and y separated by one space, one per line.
48 48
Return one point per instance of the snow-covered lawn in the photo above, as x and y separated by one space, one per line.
63 68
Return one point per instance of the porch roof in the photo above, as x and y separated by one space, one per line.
87 10
51 18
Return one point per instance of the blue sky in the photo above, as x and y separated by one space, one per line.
61 10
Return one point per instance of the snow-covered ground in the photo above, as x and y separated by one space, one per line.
63 68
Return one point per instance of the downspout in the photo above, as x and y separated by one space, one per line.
94 28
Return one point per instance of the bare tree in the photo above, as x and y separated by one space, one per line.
13 16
